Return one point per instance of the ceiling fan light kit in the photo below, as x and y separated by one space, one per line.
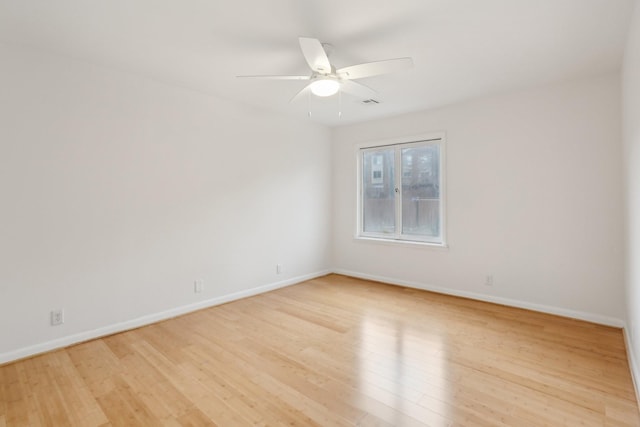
326 80
324 87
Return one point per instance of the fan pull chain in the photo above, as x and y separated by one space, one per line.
339 104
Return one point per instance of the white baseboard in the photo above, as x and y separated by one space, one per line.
589 317
148 319
633 366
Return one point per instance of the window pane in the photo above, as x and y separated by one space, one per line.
421 191
378 198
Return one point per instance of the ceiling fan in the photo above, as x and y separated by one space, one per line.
326 80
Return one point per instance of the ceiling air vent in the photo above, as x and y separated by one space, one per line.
370 101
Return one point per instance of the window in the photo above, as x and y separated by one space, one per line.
400 191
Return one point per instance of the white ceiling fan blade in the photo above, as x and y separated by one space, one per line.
315 55
304 91
370 69
357 89
275 77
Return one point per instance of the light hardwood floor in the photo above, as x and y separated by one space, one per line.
334 351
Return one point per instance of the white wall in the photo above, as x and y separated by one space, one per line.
534 198
117 192
631 128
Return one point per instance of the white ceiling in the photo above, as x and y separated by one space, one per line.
461 48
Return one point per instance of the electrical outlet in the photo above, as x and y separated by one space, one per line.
198 286
57 317
279 268
489 280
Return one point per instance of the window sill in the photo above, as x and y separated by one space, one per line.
398 242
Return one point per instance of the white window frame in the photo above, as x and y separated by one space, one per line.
438 138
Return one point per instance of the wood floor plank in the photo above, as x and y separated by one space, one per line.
334 351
